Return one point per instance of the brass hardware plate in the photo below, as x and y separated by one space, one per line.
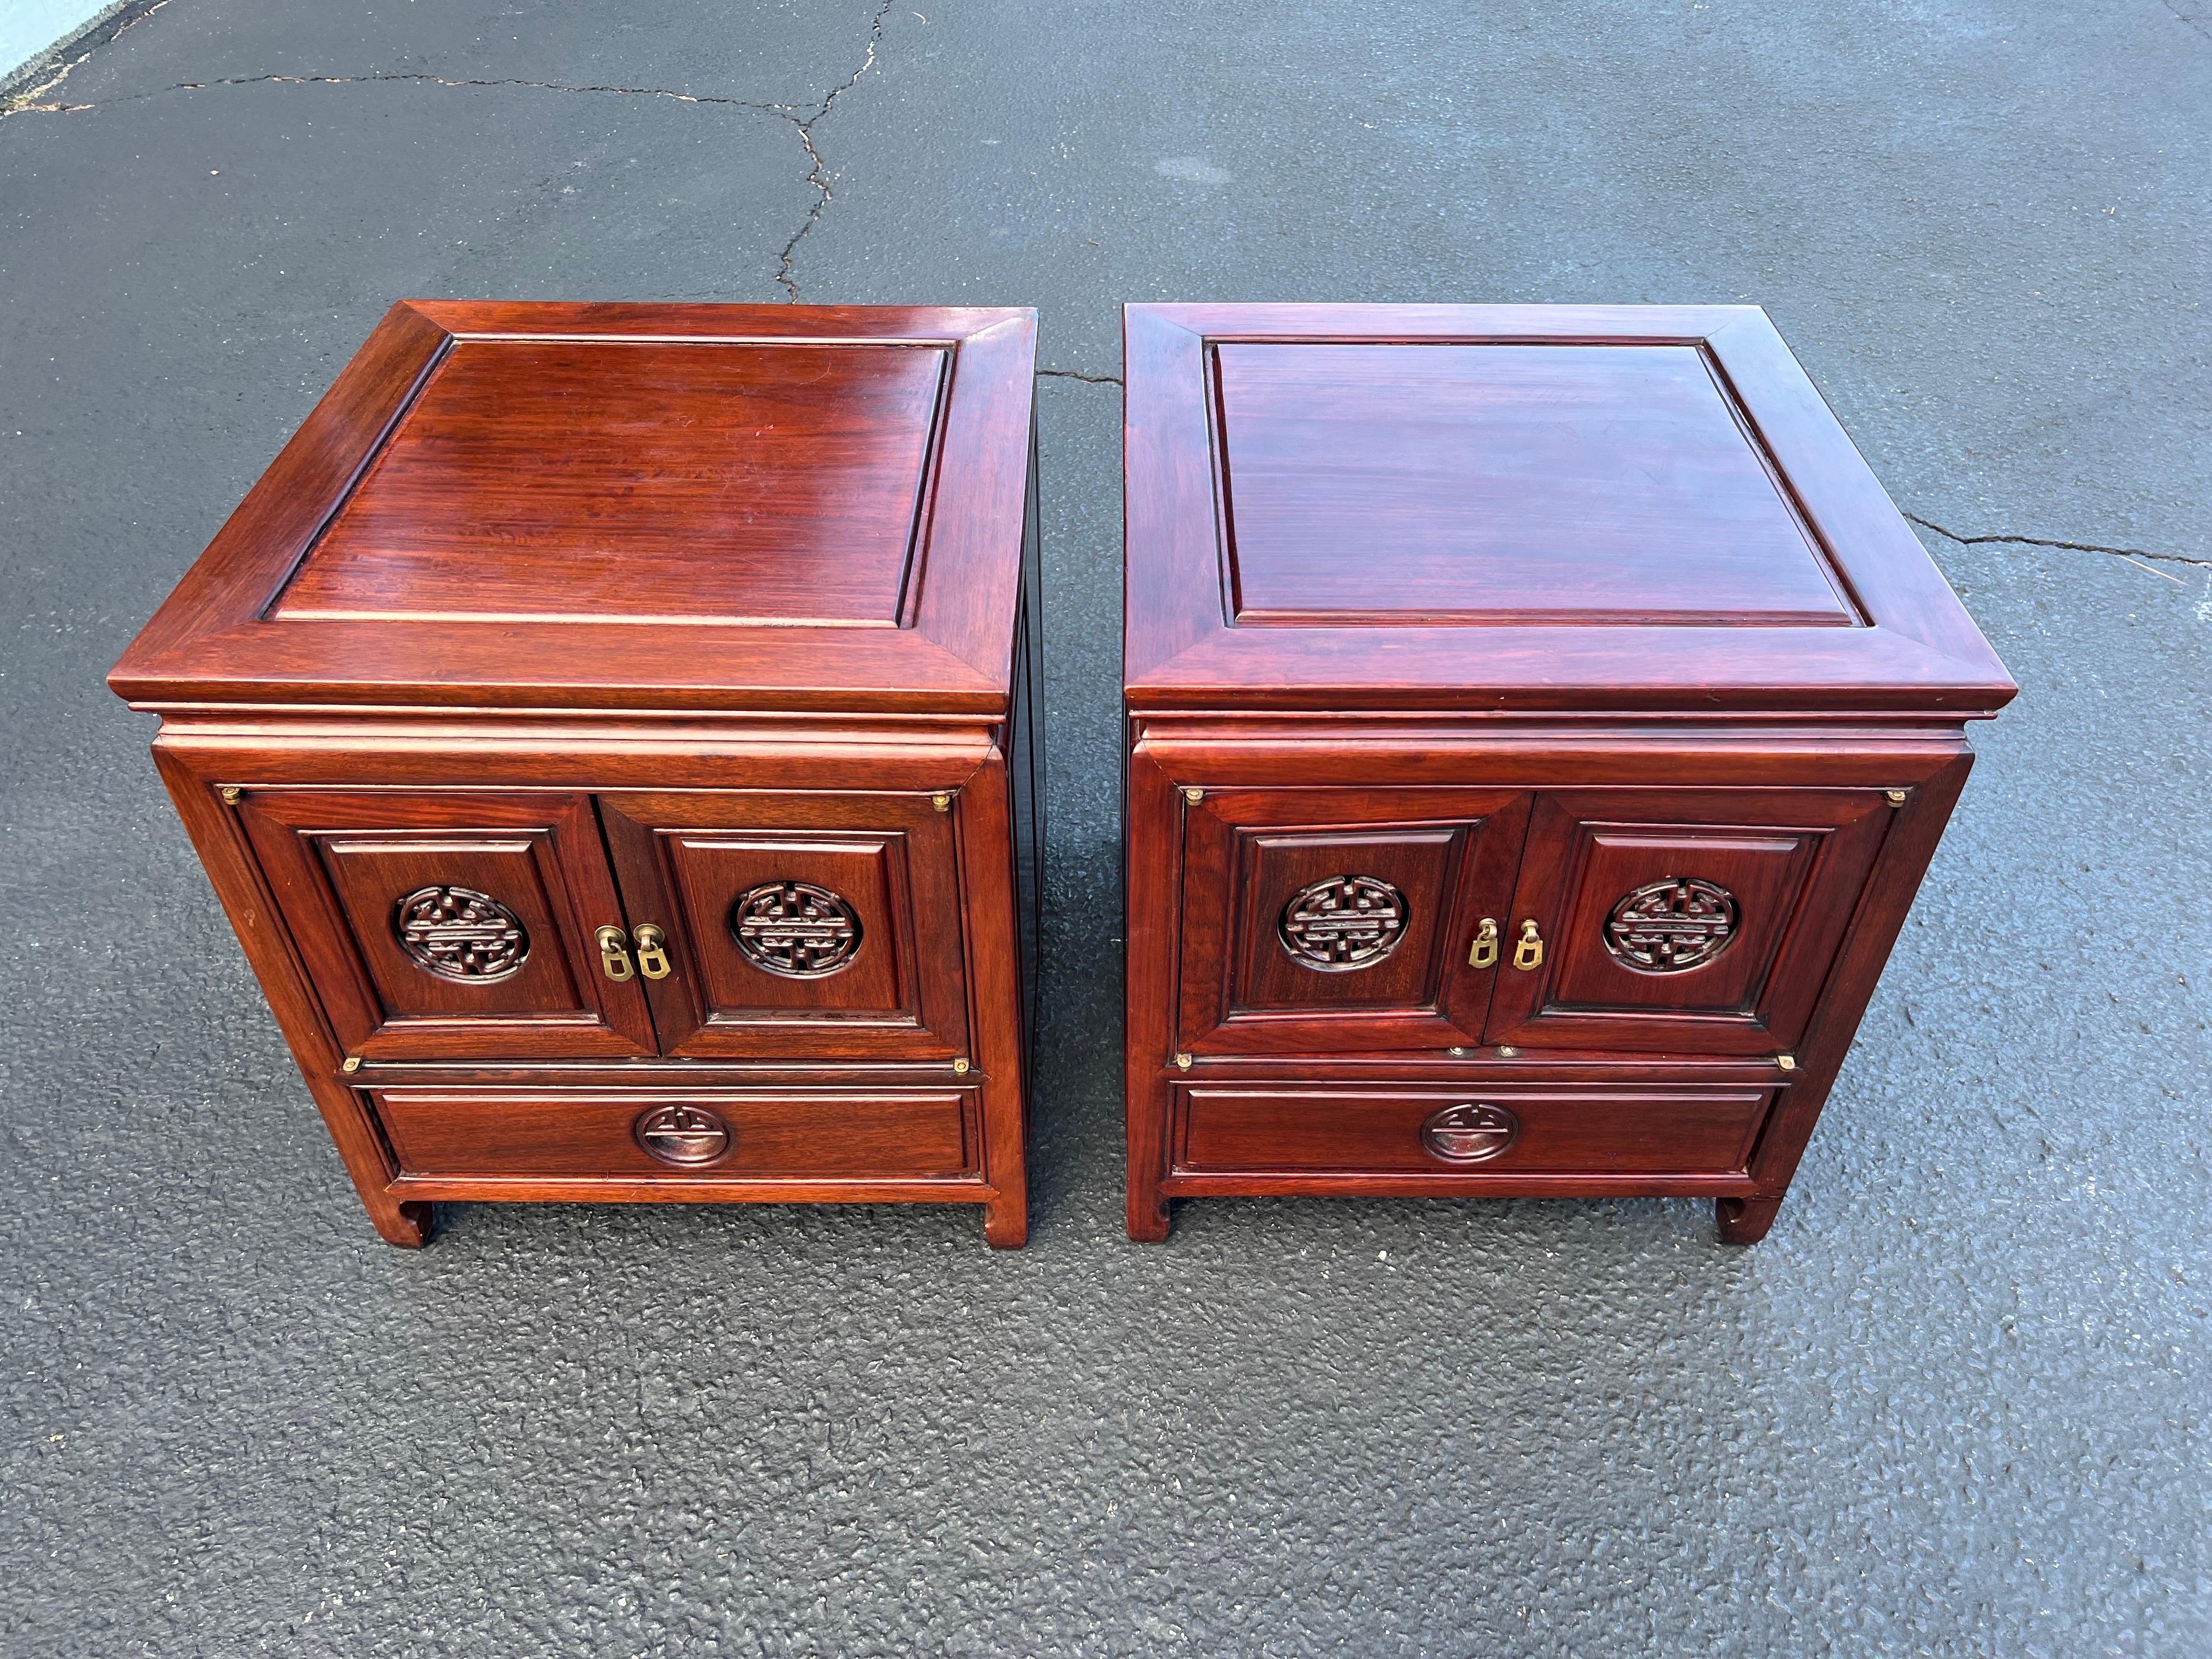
1182 1062
1895 797
652 951
1483 953
1529 952
350 1064
614 954
231 792
942 800
1194 796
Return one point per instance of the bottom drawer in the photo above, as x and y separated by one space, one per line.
1516 1130
491 1133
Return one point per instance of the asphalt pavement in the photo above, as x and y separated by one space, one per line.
1956 1404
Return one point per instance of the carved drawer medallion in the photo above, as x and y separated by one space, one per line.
795 929
1671 926
457 932
1343 922
684 1135
1473 1133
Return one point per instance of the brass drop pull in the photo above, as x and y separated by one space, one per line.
1530 951
1483 953
652 951
614 954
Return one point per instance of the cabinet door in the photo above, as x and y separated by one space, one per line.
449 925
1678 920
1335 921
797 925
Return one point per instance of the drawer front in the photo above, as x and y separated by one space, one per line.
481 1133
797 926
449 923
1342 921
1682 921
1500 1130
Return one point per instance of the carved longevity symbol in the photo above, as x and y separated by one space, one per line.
683 1134
1344 922
1667 927
795 929
458 933
1471 1133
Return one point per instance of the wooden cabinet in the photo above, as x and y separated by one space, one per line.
609 728
1539 722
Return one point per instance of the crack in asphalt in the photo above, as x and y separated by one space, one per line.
2186 18
437 81
1071 374
2045 541
25 102
818 173
787 275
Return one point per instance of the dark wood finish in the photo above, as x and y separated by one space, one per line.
1501 483
555 619
235 632
1587 621
339 861
496 1135
1317 1137
687 858
1820 599
1247 853
1794 861
714 482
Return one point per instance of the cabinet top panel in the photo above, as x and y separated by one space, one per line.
1515 507
681 506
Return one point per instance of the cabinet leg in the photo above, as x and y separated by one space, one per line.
407 1225
1148 1215
1006 1222
1745 1220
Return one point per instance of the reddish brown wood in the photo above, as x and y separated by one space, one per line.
490 1134
1662 566
260 620
1320 1133
688 860
1589 622
558 619
1250 854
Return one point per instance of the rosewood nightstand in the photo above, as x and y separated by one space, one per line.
611 729
1539 722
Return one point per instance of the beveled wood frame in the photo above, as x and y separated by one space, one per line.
216 639
1920 651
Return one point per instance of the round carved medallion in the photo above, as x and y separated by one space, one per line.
795 929
458 934
1473 1133
1344 922
686 1136
1672 926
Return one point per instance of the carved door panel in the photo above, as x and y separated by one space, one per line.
1335 921
449 926
1690 922
796 925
